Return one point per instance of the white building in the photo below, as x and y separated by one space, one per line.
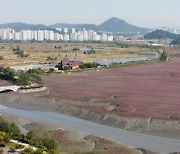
26 35
110 38
51 35
17 36
40 35
57 37
46 35
80 37
7 34
59 29
65 30
66 37
104 37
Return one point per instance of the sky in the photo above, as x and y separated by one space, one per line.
143 13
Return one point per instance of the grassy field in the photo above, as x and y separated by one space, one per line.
39 52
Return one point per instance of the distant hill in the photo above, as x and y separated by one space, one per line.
161 34
113 25
117 25
20 26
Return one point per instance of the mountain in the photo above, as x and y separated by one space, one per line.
117 25
113 25
161 34
20 26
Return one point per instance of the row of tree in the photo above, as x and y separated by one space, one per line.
21 79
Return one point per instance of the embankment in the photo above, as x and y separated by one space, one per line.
160 127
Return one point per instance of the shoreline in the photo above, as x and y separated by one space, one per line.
151 126
86 126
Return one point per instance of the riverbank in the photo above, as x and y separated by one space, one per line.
72 141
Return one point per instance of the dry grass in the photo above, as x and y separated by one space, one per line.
38 53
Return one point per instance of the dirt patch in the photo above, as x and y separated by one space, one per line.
5 83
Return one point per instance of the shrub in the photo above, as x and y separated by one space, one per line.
75 49
51 58
19 146
92 51
88 65
50 144
35 71
1 57
25 79
57 47
11 129
6 138
28 151
19 52
39 151
163 56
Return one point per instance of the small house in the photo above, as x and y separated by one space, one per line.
71 63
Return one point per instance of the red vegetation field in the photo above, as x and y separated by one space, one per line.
145 90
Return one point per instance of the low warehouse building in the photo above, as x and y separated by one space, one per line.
71 63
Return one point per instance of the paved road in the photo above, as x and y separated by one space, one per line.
133 139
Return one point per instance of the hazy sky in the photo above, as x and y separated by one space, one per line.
145 13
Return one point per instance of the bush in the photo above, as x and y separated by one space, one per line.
28 151
35 71
19 146
51 58
50 144
163 56
88 65
1 57
11 129
39 151
15 131
6 138
21 79
92 51
57 47
19 52
67 68
75 49
10 72
26 79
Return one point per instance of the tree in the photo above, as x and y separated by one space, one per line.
10 72
15 131
163 55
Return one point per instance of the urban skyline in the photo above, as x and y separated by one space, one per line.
150 14
64 34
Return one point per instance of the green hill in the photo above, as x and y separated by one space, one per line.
161 34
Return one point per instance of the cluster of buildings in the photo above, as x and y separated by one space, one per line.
171 30
58 35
